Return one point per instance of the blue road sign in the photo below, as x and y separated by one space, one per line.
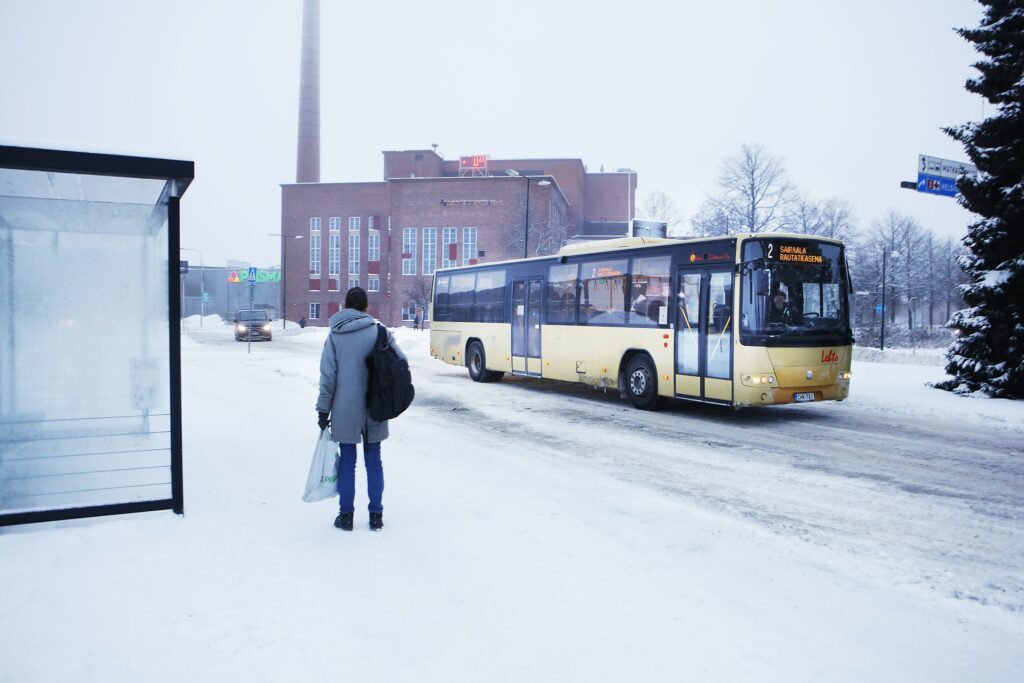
878 308
933 184
252 275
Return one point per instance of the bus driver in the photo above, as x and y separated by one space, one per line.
778 312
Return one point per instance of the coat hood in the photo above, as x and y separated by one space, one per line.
350 320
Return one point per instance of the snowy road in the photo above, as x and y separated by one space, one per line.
918 495
934 501
547 532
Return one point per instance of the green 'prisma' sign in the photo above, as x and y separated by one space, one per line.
261 276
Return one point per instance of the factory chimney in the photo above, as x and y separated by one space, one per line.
307 168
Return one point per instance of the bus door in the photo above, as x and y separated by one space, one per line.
704 331
526 327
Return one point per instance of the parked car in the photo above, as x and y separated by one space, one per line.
254 323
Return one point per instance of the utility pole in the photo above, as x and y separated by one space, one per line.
885 307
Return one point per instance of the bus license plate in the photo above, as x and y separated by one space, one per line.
803 398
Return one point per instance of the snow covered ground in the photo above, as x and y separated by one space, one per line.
549 532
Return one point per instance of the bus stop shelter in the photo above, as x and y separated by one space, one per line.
90 367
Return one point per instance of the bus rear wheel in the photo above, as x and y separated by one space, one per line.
476 361
642 383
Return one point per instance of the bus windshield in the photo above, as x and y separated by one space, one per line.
792 290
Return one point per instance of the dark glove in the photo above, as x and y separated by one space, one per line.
323 421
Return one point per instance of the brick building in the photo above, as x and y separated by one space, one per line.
428 213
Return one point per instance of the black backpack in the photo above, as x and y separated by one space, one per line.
389 391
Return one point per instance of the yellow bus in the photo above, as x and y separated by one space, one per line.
748 320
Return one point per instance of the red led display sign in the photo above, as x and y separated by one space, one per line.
479 161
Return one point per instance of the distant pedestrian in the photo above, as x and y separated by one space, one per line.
342 405
416 322
302 323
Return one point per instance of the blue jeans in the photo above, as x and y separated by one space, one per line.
347 476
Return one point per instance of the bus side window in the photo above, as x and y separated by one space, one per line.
649 287
561 294
489 306
441 298
604 292
460 297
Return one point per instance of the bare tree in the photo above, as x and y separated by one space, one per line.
753 190
832 217
658 206
418 294
837 220
804 217
554 233
711 220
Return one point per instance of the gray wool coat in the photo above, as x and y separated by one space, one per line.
344 376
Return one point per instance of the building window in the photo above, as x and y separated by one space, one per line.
429 250
314 247
353 281
370 225
314 311
353 223
468 245
373 283
373 247
334 250
408 310
353 253
449 245
408 251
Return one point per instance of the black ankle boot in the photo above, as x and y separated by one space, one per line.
376 521
344 521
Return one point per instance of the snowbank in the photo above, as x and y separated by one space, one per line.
212 320
901 356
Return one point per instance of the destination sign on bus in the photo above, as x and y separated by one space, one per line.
793 252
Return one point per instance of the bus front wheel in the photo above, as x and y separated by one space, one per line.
642 383
476 361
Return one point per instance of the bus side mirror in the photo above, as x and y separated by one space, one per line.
761 283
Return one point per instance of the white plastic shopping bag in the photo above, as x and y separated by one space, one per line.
322 481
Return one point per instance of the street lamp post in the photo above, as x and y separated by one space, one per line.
526 228
284 310
202 285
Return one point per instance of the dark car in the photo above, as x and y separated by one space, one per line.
254 323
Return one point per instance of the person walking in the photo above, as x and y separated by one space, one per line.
416 322
341 405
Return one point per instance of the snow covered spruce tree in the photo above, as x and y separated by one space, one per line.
988 356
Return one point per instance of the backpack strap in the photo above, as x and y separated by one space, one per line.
382 337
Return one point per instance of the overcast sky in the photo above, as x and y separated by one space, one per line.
847 94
